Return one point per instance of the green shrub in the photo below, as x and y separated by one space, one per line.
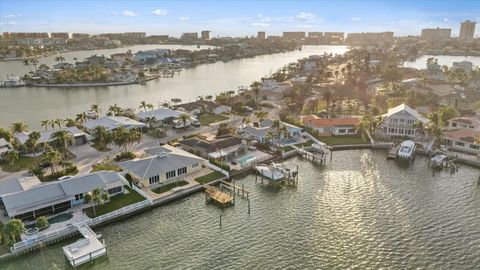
41 222
125 156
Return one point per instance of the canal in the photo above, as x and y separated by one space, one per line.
360 212
35 104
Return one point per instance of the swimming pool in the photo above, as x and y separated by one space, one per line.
60 218
246 159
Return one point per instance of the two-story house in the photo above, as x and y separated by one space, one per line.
400 121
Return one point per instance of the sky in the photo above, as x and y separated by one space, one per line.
235 18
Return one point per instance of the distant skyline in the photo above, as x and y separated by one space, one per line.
235 18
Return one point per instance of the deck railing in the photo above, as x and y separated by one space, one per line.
50 235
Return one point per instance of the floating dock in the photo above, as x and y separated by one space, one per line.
392 154
86 249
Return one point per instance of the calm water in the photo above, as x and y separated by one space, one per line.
421 63
360 212
36 104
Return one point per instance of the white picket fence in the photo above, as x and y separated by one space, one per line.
218 169
141 192
50 235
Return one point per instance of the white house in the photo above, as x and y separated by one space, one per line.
331 126
162 116
462 133
260 131
4 146
164 165
400 121
113 122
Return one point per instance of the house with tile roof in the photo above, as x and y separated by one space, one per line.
462 134
331 126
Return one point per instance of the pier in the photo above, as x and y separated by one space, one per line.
218 196
86 249
315 155
392 153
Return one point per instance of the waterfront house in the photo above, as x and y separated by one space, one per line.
466 66
96 60
226 148
203 106
462 139
113 122
79 136
143 56
331 126
4 146
28 198
162 116
262 131
122 57
400 121
60 66
164 164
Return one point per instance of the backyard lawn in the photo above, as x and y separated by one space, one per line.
23 163
115 203
168 187
343 140
209 177
207 119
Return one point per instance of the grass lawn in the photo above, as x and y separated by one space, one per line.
23 163
168 187
305 144
287 148
207 119
209 177
343 140
106 167
100 148
116 202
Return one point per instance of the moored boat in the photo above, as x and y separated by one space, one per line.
406 150
270 172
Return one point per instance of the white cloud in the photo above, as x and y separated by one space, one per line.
260 24
7 23
129 13
114 13
305 16
445 19
159 12
356 19
10 16
184 18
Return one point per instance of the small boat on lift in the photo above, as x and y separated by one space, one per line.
406 150
270 171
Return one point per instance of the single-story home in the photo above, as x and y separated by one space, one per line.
262 130
225 147
162 116
462 139
203 106
464 122
163 165
79 136
331 126
28 198
113 122
4 146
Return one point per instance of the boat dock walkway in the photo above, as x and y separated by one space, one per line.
86 249
392 153
312 154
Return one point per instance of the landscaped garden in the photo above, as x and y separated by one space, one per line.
343 140
115 203
22 163
207 119
168 187
209 177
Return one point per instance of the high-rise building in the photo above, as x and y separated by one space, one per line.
315 34
369 38
467 30
436 34
190 36
80 35
333 37
62 35
294 35
206 35
261 35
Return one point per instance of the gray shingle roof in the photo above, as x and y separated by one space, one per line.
160 114
113 122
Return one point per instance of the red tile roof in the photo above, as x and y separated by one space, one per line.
462 134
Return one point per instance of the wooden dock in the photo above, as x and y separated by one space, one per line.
313 155
218 196
86 249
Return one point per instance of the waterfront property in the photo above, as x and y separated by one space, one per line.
331 126
400 121
28 198
203 106
79 136
161 116
225 148
5 146
462 139
163 165
263 131
113 122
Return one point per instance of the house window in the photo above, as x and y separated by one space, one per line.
351 130
454 124
79 197
473 146
341 131
182 171
115 190
154 179
459 143
171 174
400 131
194 165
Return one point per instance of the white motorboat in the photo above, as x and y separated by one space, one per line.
270 172
12 81
438 160
406 150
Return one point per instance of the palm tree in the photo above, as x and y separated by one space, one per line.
420 127
32 141
261 115
14 228
94 108
59 59
10 156
26 62
52 124
81 118
184 118
53 157
34 63
45 124
150 106
63 138
58 122
101 135
434 127
150 121
276 126
19 127
143 105
114 109
209 97
97 196
69 122
255 86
